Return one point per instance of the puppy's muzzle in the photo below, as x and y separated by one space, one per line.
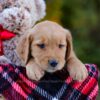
53 63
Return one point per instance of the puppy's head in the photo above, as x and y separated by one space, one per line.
49 44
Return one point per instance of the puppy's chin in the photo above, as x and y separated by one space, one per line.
52 70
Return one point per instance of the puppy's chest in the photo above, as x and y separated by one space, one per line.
9 47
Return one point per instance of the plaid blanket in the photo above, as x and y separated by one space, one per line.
14 85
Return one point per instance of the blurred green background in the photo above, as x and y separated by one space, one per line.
82 18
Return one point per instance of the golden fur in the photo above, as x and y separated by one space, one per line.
52 36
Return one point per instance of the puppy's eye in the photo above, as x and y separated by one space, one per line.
61 45
41 46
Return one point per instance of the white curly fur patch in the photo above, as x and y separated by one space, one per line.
22 15
18 16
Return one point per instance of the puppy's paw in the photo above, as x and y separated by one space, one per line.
78 72
34 73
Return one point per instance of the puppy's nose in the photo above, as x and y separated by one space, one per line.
53 63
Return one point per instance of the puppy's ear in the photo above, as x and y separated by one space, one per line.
23 47
75 67
69 49
71 58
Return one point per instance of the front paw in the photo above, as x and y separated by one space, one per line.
78 72
34 73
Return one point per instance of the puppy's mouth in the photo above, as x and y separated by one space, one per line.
51 69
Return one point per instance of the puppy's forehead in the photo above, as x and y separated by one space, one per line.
49 30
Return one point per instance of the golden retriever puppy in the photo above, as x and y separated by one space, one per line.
47 47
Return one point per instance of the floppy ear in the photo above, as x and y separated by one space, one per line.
71 58
23 47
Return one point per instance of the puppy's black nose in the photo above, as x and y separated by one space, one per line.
53 63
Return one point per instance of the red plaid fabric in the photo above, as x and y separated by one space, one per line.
14 85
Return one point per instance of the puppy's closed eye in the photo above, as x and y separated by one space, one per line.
42 45
61 45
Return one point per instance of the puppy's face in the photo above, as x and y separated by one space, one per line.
47 43
49 48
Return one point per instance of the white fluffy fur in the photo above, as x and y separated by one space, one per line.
18 16
13 25
22 15
3 58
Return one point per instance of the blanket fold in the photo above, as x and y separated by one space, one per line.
15 85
